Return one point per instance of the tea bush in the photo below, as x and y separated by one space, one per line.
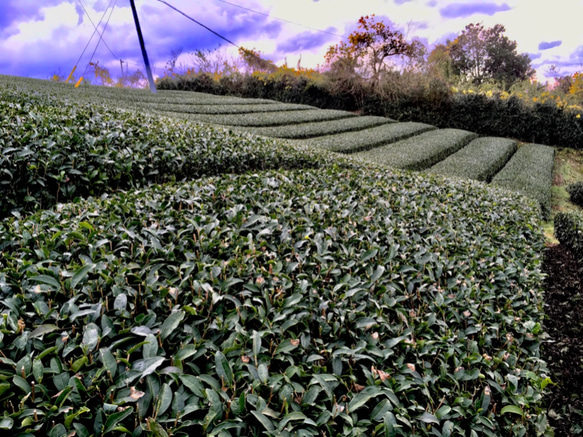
55 151
421 151
266 119
530 171
352 142
304 302
220 109
576 193
479 160
569 231
321 128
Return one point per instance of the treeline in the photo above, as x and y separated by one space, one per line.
478 82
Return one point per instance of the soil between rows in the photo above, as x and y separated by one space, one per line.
564 350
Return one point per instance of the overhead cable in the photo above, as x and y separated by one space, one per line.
96 29
280 19
199 23
100 35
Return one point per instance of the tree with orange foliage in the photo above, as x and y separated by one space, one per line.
369 47
577 86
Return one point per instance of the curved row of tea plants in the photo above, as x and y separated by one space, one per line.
263 119
320 128
55 151
336 301
530 171
367 139
480 160
421 151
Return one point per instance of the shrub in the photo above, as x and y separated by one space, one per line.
479 160
56 151
351 142
265 119
420 151
321 128
309 302
576 193
569 231
530 171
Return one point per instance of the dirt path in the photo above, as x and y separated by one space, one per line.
564 352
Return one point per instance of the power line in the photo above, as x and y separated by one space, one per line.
97 28
199 23
100 35
280 19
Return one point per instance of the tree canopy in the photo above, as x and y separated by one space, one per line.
479 53
369 47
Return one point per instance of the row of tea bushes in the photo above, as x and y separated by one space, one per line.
220 109
55 151
421 151
367 139
301 302
480 160
321 128
264 119
530 171
569 231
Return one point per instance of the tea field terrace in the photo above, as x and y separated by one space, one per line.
162 275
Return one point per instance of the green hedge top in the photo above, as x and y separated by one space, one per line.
54 151
291 301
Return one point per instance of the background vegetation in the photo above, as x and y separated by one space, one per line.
476 82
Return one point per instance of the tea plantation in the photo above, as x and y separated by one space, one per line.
164 276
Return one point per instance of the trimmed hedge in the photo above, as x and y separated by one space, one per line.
326 300
321 128
479 160
55 151
576 193
219 109
266 119
352 142
420 151
569 231
530 171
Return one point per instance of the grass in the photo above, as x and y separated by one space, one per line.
568 170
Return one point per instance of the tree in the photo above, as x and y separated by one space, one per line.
479 53
254 62
439 62
102 74
576 88
369 47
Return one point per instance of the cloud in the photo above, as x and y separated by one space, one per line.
432 3
534 56
549 45
577 55
462 10
16 11
185 34
400 2
305 41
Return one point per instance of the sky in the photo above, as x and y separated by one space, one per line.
40 38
